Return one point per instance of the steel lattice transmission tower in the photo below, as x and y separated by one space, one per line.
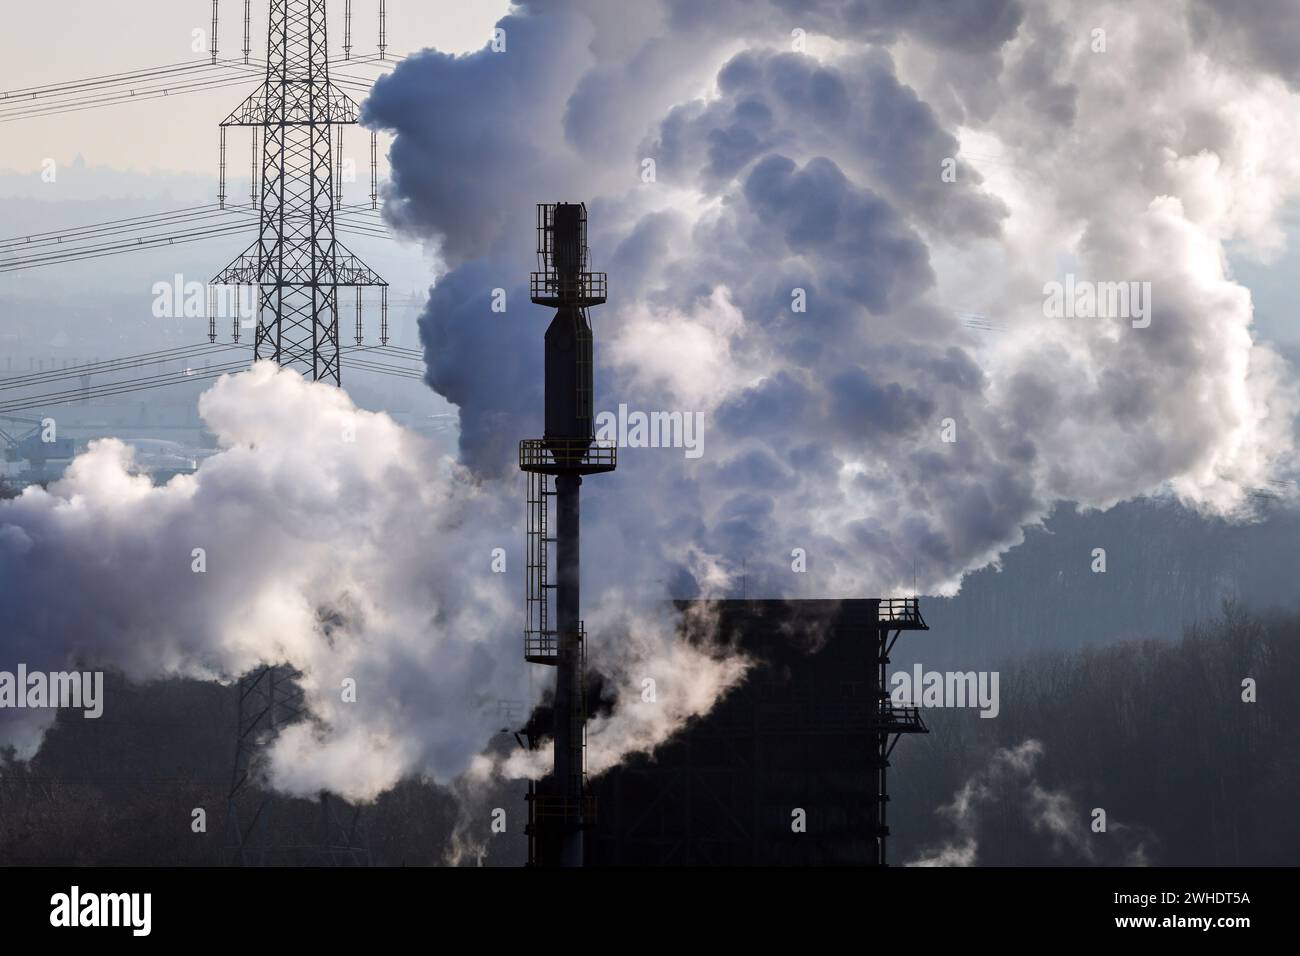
327 834
298 266
297 262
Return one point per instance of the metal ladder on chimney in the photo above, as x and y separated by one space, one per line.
541 641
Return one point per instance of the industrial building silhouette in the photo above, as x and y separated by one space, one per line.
810 729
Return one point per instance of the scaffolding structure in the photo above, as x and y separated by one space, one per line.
891 720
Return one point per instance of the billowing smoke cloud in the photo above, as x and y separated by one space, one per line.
833 184
1009 786
320 535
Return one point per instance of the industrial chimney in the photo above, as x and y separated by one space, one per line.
560 807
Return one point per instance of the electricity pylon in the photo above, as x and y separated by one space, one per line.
297 262
298 266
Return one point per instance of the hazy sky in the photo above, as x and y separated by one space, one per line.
160 154
63 40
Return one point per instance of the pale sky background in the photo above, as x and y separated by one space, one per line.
150 156
56 41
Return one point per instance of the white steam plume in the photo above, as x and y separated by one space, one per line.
332 539
1010 780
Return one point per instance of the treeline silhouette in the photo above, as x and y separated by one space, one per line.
1154 732
123 790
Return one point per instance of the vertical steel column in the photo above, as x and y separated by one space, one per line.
569 718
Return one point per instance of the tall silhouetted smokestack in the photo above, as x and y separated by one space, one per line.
560 808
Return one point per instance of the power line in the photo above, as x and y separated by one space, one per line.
115 227
17 113
109 79
397 350
115 365
356 355
363 367
390 351
67 99
52 248
379 351
113 389
30 237
11 116
20 111
354 351
123 366
110 389
140 243
124 84
361 231
28 93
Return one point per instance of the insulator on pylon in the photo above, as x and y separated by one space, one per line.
255 176
358 291
212 313
374 169
221 177
347 29
213 50
338 173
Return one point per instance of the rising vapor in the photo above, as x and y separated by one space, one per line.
1007 792
331 539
